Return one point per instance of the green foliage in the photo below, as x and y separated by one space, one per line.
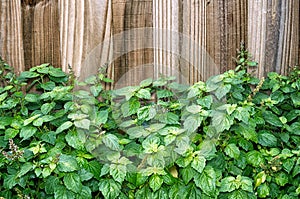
234 136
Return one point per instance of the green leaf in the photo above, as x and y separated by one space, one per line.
48 86
67 163
281 178
263 191
198 163
294 128
255 158
38 122
205 101
232 151
130 107
73 182
164 94
25 168
206 181
118 172
221 121
192 123
10 133
267 139
246 184
28 75
109 188
9 181
187 174
86 193
62 193
128 92
143 94
31 119
238 194
47 107
27 132
222 90
56 72
146 113
272 119
228 184
296 98
137 132
66 125
76 139
155 182
51 184
111 141
146 82
84 123
32 98
102 117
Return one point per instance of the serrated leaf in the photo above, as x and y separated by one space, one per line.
164 94
10 181
263 191
206 181
111 141
109 188
232 151
228 184
73 182
130 107
76 139
143 94
27 132
255 158
61 192
198 163
25 168
205 101
272 119
267 139
67 163
222 90
187 174
192 123
155 182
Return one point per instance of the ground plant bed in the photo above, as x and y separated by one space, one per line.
232 136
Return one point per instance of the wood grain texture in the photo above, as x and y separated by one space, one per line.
11 39
199 37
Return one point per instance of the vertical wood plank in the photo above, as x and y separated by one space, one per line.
11 40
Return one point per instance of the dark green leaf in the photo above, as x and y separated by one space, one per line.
272 119
62 193
267 139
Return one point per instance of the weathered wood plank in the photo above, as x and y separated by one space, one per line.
11 40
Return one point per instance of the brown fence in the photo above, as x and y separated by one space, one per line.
192 39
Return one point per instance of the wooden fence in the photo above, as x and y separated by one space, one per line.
192 39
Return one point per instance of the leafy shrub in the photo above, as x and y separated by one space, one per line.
233 136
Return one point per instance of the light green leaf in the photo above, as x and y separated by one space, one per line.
109 188
76 139
192 123
67 163
10 133
198 163
164 94
86 193
72 182
143 94
111 141
62 193
118 172
84 123
31 97
155 182
47 107
64 126
238 194
232 151
205 101
27 132
222 90
31 119
137 132
228 184
146 82
187 174
246 184
56 72
263 191
206 181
